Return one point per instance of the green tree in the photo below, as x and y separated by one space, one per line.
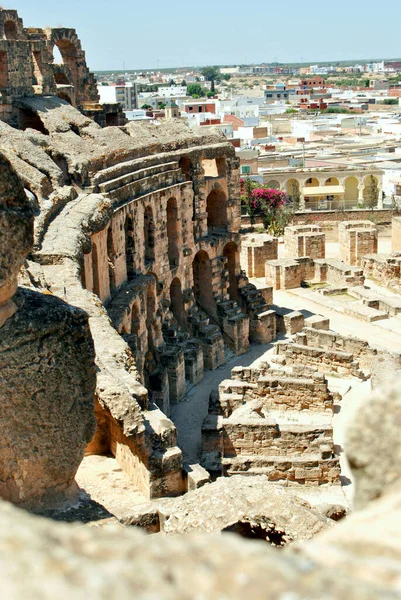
183 83
211 74
195 89
145 106
371 193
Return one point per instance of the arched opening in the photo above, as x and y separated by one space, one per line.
111 259
151 309
312 182
186 167
177 301
61 79
332 181
173 233
95 270
203 287
57 58
273 184
68 54
149 230
10 30
231 253
129 246
216 208
351 189
293 191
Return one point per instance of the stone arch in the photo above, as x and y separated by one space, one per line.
149 230
232 265
351 185
173 233
129 246
177 301
111 259
10 30
203 283
70 52
273 184
216 208
332 181
95 270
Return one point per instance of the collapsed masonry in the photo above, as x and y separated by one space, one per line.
277 421
305 256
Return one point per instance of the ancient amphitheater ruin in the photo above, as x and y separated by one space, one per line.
165 367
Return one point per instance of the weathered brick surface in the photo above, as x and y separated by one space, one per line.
356 238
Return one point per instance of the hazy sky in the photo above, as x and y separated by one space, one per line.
131 35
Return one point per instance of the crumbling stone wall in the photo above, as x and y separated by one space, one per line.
255 251
304 240
253 426
27 68
356 238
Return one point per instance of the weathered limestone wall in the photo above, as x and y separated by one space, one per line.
323 360
255 251
384 268
274 392
255 425
283 274
356 238
304 240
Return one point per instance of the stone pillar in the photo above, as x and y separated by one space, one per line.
302 205
361 187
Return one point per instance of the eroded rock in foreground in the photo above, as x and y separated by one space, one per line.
47 371
42 560
250 506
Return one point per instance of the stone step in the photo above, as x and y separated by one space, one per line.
135 175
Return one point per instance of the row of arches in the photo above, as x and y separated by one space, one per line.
354 188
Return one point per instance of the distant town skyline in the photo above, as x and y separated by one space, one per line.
166 35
